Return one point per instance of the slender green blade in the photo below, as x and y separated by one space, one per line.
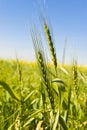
62 123
9 90
56 121
58 81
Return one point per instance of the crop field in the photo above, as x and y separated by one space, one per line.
25 105
42 95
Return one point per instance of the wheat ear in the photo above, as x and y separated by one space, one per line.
51 45
75 77
42 65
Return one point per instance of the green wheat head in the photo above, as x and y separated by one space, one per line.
42 65
51 45
75 77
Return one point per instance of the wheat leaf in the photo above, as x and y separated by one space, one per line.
56 121
62 123
58 81
9 90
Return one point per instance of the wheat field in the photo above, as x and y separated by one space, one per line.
42 95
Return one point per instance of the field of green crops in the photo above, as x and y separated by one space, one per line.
24 102
42 95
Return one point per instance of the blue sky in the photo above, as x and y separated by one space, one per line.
67 18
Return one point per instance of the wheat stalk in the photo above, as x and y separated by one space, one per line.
42 65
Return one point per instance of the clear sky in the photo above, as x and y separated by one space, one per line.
67 18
